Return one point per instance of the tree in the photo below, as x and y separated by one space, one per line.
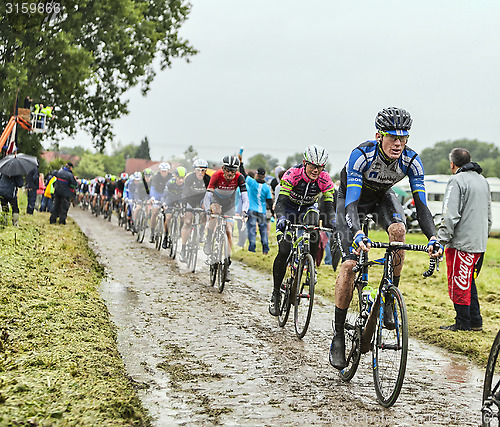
190 154
436 160
265 161
293 160
90 166
82 60
143 150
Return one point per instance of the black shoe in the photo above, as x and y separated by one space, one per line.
164 244
152 238
389 315
228 276
337 352
274 306
454 328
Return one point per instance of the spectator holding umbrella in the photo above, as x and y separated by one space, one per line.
12 168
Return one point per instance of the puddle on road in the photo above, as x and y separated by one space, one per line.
198 357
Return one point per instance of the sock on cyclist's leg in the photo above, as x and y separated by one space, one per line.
395 280
340 315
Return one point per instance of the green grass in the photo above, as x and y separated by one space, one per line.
59 363
427 300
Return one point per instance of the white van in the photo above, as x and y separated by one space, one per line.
435 186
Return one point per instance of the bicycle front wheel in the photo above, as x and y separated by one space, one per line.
174 236
224 262
193 250
285 290
304 297
159 231
141 231
352 332
390 350
491 389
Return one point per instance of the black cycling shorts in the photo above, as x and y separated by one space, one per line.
386 210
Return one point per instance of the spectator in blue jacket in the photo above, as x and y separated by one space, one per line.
260 198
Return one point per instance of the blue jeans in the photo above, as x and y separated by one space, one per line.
256 218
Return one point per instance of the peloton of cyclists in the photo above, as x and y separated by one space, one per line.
366 181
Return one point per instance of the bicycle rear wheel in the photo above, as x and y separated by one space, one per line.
352 331
304 298
491 389
390 351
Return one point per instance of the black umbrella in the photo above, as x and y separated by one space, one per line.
17 164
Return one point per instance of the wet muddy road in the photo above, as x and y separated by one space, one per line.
199 357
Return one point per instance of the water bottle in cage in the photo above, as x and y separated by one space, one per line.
368 295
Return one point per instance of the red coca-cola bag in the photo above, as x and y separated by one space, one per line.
462 268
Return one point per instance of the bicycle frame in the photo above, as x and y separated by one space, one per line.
389 339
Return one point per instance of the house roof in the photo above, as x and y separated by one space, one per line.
50 156
135 165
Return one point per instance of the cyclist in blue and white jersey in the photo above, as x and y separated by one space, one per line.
366 180
172 196
158 183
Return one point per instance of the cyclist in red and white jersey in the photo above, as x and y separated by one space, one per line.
220 196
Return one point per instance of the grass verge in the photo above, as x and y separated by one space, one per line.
427 300
59 363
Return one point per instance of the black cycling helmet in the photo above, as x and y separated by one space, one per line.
394 120
231 163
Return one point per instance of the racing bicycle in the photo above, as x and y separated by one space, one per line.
193 242
219 252
297 287
490 412
366 327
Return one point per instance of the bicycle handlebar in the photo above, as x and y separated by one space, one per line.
433 262
311 227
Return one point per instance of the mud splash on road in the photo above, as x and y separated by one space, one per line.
199 357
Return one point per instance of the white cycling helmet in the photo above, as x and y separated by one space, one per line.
164 166
200 163
316 155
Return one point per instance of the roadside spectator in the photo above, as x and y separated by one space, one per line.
259 196
40 191
46 205
64 191
31 189
277 179
27 102
464 230
8 194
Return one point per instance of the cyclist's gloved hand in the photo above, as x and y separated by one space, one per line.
434 247
281 224
360 237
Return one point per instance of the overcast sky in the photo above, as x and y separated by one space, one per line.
274 76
